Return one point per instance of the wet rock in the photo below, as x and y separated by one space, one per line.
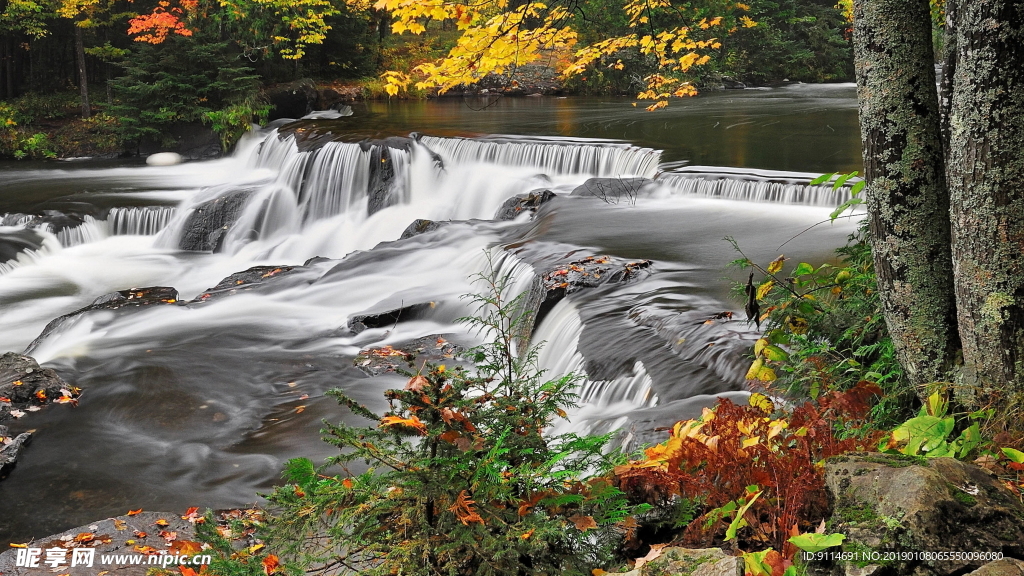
131 298
434 349
904 504
293 100
380 190
10 449
209 222
24 388
192 140
421 226
387 318
245 280
23 382
731 84
17 241
118 536
519 203
589 272
614 190
1004 567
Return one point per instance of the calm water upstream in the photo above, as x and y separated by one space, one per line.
197 403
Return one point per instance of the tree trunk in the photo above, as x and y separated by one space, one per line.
83 82
948 69
986 178
908 203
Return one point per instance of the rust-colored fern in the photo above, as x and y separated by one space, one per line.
714 458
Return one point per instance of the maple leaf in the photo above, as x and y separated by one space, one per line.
161 522
134 512
186 571
464 511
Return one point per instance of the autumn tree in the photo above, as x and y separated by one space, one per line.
499 36
960 177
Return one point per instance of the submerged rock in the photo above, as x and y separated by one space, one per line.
589 272
614 190
434 349
887 503
519 203
421 226
383 319
209 222
131 298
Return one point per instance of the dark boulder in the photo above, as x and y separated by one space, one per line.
193 140
293 100
209 222
385 318
434 349
589 272
131 298
421 226
381 189
614 190
520 203
245 280
10 449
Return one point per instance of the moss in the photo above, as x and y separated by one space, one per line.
855 514
963 497
896 460
675 565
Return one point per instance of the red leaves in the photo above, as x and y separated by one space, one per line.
464 510
716 457
154 27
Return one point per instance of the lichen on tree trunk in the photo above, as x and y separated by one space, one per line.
986 180
908 203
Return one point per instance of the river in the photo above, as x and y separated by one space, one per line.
198 403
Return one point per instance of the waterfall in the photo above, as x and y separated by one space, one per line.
139 221
88 231
754 185
553 157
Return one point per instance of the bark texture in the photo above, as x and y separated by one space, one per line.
83 81
907 199
986 178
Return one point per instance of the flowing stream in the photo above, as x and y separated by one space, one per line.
199 401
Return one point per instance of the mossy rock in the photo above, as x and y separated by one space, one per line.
896 503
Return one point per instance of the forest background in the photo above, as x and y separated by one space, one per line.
151 67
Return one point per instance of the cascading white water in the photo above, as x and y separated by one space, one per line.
754 186
139 221
552 157
90 230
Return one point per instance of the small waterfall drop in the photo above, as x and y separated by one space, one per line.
754 186
139 221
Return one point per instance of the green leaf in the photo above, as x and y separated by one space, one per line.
817 542
842 180
857 188
738 522
774 353
844 207
1014 455
803 268
821 179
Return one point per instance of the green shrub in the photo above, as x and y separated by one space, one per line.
462 479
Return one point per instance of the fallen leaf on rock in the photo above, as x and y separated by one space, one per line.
140 534
186 571
134 512
652 555
13 545
300 409
120 524
148 550
162 522
17 413
169 536
186 547
85 537
193 515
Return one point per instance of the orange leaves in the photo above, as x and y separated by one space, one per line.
270 564
464 510
417 383
583 523
186 571
412 422
154 27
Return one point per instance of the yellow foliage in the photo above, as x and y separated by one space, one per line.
499 38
